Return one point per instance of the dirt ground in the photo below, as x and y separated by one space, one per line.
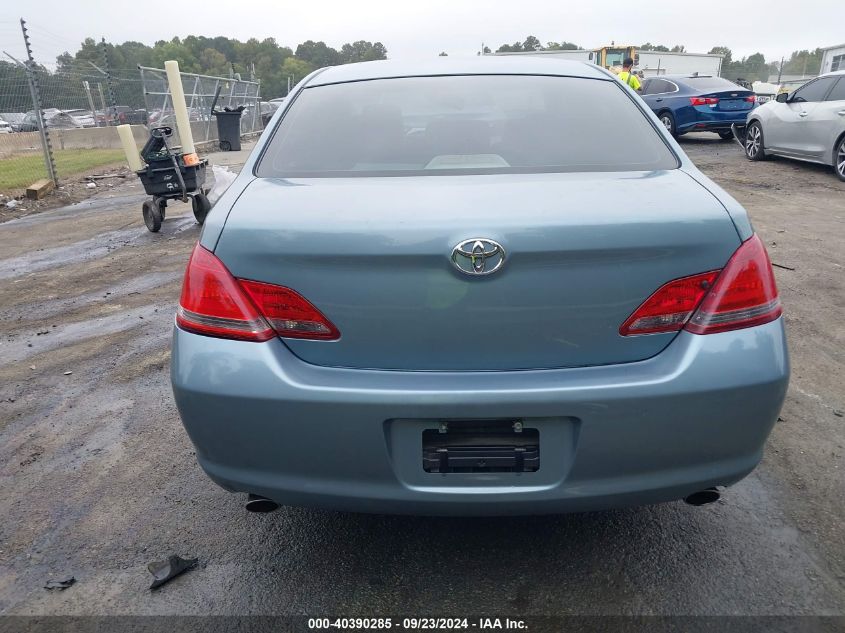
97 477
71 189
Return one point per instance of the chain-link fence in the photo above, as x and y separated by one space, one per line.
200 92
82 101
78 107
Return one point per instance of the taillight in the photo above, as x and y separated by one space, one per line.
290 314
214 303
700 101
670 307
751 98
744 295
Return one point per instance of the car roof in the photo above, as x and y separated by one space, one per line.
479 65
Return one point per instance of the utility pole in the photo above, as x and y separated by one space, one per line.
34 88
780 70
87 87
103 101
109 84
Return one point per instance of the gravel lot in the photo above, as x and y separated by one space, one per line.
97 477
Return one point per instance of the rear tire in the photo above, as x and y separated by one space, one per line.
201 206
225 146
152 216
668 122
839 159
726 136
754 142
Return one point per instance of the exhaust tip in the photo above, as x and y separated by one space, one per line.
703 497
257 503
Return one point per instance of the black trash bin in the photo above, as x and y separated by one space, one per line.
229 128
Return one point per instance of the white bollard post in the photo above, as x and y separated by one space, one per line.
177 94
129 147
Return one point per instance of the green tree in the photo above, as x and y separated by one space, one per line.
296 69
516 47
804 62
362 51
725 52
271 62
213 62
531 43
318 54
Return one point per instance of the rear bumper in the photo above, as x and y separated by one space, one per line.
696 415
705 120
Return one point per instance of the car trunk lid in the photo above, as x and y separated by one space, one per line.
733 100
583 250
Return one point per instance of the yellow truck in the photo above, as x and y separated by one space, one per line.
611 57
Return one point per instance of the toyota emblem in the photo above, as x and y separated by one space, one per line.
478 256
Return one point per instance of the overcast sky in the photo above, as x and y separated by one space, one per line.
424 28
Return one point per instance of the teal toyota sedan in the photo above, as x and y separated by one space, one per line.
476 287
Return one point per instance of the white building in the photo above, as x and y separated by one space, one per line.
833 58
650 62
656 63
579 55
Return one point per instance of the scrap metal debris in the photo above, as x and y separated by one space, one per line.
166 570
60 585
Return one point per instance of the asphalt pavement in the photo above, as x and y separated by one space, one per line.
97 477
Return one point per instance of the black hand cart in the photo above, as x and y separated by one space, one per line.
167 177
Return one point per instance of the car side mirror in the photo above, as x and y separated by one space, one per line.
782 97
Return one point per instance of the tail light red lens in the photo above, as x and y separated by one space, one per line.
742 295
700 101
751 98
290 314
669 309
213 303
216 304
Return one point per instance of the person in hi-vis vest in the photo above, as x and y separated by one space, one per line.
627 76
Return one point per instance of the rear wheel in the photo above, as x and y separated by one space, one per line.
754 142
726 136
152 216
225 146
839 159
668 122
202 206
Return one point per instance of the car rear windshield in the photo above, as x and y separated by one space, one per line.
463 124
712 84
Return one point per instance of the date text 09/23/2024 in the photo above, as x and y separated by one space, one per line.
416 623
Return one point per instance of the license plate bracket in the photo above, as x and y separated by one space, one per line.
484 446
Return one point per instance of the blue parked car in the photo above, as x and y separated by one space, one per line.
698 103
441 288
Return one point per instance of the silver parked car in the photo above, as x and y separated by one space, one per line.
807 124
443 288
